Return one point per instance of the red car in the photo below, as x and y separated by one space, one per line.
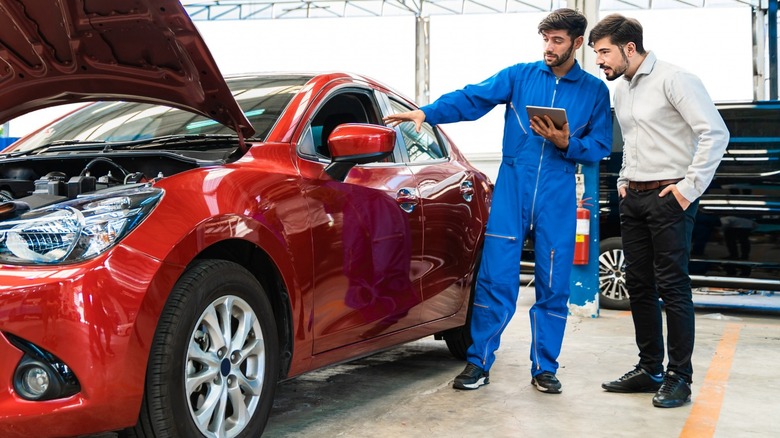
174 248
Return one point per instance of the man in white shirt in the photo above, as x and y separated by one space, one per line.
674 139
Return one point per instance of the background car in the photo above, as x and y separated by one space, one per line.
169 253
736 236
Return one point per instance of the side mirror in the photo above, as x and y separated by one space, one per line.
356 143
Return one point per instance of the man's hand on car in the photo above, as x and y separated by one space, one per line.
416 116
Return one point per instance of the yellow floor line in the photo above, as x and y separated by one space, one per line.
704 414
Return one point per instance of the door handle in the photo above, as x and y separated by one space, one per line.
467 190
407 199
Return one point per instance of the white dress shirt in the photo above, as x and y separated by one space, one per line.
671 129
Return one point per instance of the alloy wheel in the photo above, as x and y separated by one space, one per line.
612 279
225 367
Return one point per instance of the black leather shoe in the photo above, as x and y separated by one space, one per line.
472 377
636 380
674 393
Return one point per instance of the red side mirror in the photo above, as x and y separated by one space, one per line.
357 143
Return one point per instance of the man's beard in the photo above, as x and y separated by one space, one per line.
617 72
560 60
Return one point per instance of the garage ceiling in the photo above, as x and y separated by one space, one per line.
764 21
276 9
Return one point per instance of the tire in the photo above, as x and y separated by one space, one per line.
458 339
214 362
613 293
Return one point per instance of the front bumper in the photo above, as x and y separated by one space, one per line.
96 317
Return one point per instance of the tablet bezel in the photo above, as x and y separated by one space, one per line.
557 115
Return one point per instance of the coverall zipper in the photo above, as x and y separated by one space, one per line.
501 236
539 169
490 339
552 263
512 105
536 349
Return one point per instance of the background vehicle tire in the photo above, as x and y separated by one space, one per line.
612 275
214 363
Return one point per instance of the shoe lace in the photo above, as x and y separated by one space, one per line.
547 377
631 374
669 385
470 368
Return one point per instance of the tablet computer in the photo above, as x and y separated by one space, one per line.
557 115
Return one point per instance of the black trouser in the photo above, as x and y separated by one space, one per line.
656 236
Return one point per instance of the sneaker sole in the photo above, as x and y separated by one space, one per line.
621 390
544 389
675 404
482 381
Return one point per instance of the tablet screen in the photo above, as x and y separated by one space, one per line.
558 115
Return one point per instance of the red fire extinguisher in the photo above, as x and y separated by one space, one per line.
582 235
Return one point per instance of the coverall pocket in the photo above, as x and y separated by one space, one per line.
500 258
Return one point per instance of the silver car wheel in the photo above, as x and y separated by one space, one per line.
225 367
612 279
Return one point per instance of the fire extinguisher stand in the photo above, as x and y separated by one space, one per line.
584 300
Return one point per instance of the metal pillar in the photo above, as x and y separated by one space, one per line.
422 91
759 88
772 45
584 282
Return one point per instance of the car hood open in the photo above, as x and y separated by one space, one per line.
55 52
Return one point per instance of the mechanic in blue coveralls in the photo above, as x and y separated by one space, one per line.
534 193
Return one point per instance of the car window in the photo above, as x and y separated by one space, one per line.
420 146
346 106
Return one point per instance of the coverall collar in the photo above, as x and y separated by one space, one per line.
574 73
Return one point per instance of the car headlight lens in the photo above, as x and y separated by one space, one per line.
75 230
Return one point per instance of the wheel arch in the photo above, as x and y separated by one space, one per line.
258 262
262 251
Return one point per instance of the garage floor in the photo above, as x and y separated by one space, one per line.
406 392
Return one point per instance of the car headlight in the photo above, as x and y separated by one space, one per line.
75 230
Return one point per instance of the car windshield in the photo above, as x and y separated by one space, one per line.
261 98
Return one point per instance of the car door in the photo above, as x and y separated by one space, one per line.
451 226
366 233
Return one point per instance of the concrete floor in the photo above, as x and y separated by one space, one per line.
407 391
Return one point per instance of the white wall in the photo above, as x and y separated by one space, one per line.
713 43
379 47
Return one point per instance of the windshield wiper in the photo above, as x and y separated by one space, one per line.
56 146
146 143
167 140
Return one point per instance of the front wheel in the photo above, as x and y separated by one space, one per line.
612 275
214 362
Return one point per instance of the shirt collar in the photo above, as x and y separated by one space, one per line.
645 68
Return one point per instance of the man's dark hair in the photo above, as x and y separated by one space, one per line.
620 31
573 22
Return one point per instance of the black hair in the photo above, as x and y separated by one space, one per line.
573 22
620 31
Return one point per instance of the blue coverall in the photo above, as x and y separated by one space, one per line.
534 193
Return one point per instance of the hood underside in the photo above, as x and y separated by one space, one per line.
55 52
